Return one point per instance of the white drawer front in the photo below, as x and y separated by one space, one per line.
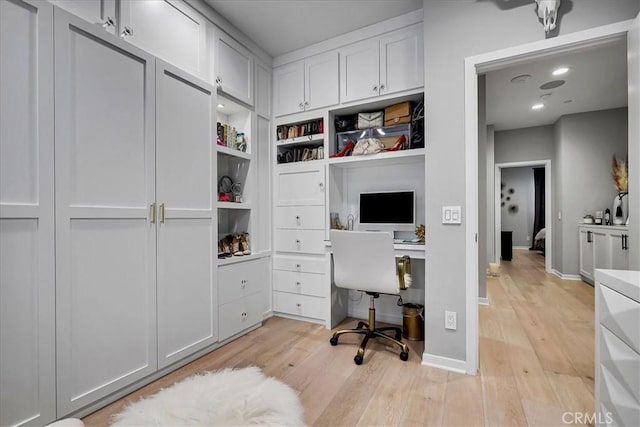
242 279
300 241
299 283
299 305
299 185
621 315
620 361
299 217
623 409
240 314
299 263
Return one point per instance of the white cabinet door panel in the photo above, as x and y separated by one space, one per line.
184 181
288 88
321 81
94 11
401 60
234 69
169 29
586 253
105 241
263 90
619 255
27 270
359 71
295 185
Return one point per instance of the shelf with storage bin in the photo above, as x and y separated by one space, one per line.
385 158
300 141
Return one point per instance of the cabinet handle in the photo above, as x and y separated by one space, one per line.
321 184
589 238
306 104
298 243
162 217
152 208
298 266
128 31
625 242
382 87
375 88
299 305
301 106
218 80
109 22
298 219
298 283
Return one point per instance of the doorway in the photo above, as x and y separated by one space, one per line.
477 65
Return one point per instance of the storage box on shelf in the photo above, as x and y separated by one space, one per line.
301 141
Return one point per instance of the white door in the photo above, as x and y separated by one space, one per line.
105 241
288 88
401 60
586 253
296 185
27 271
185 187
321 87
617 250
169 29
359 71
234 69
102 12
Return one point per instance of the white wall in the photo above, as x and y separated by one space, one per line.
454 30
520 223
523 145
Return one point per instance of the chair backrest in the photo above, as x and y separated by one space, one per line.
364 260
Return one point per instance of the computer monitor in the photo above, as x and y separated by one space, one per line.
388 211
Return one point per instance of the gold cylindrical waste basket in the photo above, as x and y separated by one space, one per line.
413 321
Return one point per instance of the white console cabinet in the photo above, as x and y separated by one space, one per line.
617 354
602 247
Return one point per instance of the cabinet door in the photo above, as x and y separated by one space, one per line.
105 241
234 69
601 257
586 254
321 81
241 314
168 29
93 11
27 271
402 60
288 88
184 172
263 91
618 255
359 71
295 185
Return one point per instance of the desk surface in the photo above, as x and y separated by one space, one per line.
414 250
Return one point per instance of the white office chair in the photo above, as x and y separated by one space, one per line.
365 261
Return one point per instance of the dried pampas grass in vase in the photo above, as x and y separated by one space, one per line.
420 232
620 174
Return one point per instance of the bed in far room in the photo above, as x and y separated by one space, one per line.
539 240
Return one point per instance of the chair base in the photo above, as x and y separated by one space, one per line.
370 331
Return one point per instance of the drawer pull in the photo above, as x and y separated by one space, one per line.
297 219
298 283
298 242
298 266
243 284
299 305
244 315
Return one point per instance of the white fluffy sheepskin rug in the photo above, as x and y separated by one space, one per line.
224 398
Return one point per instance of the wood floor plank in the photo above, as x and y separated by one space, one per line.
463 401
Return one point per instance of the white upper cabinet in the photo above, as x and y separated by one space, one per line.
263 90
101 12
168 29
390 64
306 85
233 69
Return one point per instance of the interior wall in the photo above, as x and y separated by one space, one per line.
586 142
526 144
454 30
483 236
519 222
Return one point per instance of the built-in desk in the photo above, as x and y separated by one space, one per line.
413 250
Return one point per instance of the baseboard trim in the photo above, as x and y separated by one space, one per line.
521 248
440 362
392 318
483 301
566 276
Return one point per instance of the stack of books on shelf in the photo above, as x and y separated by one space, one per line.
228 136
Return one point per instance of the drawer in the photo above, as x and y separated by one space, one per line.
242 279
299 263
299 217
621 362
300 241
622 408
299 305
621 315
299 283
240 314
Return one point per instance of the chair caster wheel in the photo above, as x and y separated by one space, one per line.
358 359
333 341
404 356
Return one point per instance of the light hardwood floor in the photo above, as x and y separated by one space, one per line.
536 363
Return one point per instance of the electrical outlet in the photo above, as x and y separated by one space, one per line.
528 238
450 320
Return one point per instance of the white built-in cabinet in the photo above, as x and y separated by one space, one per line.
263 90
389 64
299 184
101 12
27 287
306 85
604 247
233 68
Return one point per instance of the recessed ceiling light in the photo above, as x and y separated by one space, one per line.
560 71
552 84
220 105
537 106
545 96
521 78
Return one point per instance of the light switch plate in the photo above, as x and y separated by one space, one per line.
452 215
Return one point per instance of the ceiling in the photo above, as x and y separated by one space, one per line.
282 26
597 80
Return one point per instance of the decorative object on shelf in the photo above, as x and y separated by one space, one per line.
236 191
350 220
370 120
588 219
620 174
368 146
417 126
225 184
335 221
397 114
421 233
